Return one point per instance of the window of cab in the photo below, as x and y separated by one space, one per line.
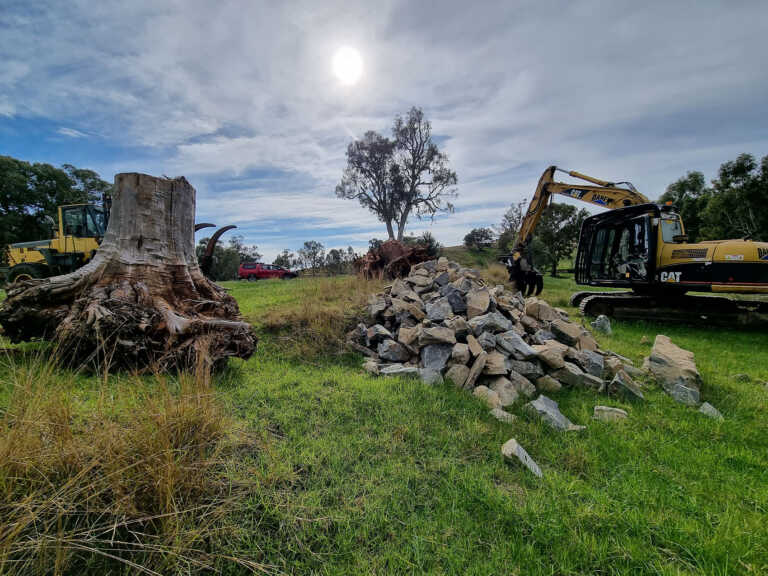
670 227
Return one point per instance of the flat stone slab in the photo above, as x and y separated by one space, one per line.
397 370
502 415
623 386
513 452
675 369
708 410
547 410
609 413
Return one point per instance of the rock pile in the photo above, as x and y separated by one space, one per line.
443 321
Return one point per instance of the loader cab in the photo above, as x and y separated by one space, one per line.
81 221
618 248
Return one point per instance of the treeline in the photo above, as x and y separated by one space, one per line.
312 258
30 192
734 205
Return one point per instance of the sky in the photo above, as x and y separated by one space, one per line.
241 99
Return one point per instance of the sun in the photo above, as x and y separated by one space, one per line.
347 65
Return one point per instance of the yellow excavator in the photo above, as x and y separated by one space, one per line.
642 246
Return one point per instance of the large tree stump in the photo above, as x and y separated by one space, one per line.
142 301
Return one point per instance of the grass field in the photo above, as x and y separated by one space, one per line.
337 472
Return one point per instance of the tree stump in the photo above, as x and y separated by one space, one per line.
142 301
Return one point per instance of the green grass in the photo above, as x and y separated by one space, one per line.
358 475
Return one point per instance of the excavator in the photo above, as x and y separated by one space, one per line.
642 247
75 239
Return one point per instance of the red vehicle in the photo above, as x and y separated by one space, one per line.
253 271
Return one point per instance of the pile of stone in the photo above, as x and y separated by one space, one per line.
444 322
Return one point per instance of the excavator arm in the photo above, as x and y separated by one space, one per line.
599 192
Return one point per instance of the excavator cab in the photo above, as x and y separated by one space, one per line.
618 248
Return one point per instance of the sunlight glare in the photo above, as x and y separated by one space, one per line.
347 65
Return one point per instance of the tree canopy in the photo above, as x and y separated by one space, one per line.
557 234
30 192
734 206
400 176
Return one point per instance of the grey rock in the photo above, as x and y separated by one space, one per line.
512 344
377 333
513 452
408 335
437 335
522 384
431 377
439 310
744 378
541 336
460 353
623 386
491 322
708 410
457 301
494 364
477 302
531 370
459 326
548 384
591 362
463 285
547 410
457 374
393 351
609 413
474 372
487 341
675 369
505 390
569 374
442 279
634 372
487 395
435 356
474 346
566 332
502 416
376 305
397 370
602 324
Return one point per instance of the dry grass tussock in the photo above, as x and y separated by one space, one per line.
495 274
130 479
326 310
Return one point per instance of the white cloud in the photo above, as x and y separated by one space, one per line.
71 132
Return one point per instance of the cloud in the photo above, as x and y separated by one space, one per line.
240 96
71 133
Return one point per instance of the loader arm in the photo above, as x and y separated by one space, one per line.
599 192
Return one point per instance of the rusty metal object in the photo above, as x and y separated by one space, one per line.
391 260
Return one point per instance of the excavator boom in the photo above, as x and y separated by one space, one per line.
599 192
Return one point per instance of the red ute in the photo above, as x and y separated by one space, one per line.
258 271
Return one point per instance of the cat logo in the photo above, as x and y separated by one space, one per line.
671 276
